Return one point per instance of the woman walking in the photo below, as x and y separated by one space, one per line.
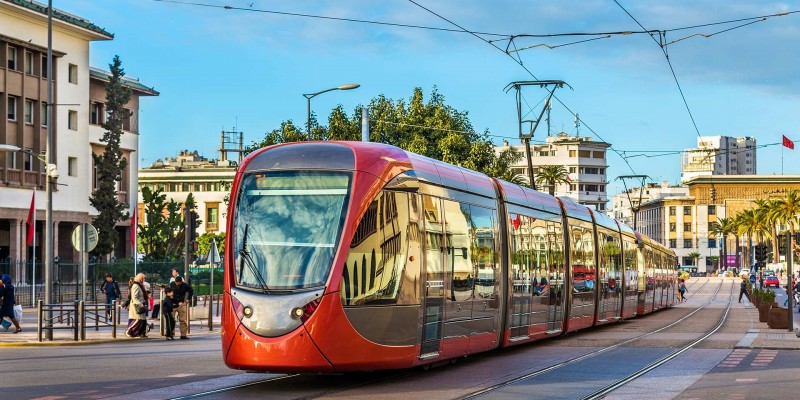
8 302
137 309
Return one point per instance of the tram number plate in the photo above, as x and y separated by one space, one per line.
435 284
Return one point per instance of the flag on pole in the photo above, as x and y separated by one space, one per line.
568 179
31 219
133 230
788 142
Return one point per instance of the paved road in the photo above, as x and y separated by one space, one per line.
744 360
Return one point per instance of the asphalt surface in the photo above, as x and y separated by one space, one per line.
743 360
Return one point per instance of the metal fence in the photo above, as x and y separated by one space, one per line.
67 280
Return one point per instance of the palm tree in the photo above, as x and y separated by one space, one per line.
550 175
722 228
751 223
786 211
694 256
765 209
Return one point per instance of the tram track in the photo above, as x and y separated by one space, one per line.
598 352
267 385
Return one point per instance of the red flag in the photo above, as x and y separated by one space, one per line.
133 229
516 222
31 219
788 142
568 179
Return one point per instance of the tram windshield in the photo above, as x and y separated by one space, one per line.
287 226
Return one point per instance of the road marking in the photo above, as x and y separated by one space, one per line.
746 380
180 375
50 398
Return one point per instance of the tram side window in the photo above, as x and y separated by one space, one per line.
376 261
458 251
630 264
611 258
537 254
583 268
484 253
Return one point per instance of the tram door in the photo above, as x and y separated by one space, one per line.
556 268
434 301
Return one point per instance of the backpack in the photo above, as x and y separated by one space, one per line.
117 293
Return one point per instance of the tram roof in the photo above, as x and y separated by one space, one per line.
576 210
526 197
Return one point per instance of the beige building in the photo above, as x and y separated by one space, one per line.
79 92
207 180
584 159
622 204
683 223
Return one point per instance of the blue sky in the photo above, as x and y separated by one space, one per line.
218 68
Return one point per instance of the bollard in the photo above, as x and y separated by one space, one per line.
76 329
96 318
161 318
114 320
218 297
39 319
82 313
210 312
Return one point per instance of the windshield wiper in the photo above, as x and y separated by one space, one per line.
247 258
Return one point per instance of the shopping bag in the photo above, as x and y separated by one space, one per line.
5 324
18 312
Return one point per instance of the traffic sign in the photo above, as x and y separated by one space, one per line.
90 235
213 253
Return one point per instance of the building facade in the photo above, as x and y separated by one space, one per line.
208 181
684 223
719 155
75 120
583 158
622 204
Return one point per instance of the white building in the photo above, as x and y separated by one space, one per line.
584 159
622 204
719 155
79 93
207 180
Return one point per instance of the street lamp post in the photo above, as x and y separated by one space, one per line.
310 96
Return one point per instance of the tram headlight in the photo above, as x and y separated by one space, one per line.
247 311
297 312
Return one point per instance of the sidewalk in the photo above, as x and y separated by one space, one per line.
760 336
104 334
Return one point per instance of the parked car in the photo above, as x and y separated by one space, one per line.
772 280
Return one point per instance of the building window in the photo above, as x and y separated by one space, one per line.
126 122
601 206
572 170
73 120
572 188
11 160
672 226
573 153
712 210
44 113
28 157
687 210
11 61
712 243
73 73
711 226
12 108
672 210
598 154
96 114
592 188
28 111
44 66
688 261
72 166
687 227
28 62
584 154
687 243
673 243
601 171
212 221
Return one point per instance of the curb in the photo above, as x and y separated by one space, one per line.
92 341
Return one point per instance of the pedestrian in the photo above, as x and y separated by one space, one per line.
9 303
137 309
175 274
183 294
682 290
743 290
110 288
167 307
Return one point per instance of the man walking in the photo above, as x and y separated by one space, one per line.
743 290
182 295
110 288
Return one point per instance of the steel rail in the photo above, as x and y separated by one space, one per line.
588 355
630 378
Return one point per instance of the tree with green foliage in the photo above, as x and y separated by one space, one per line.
111 163
204 243
694 256
550 176
162 235
430 128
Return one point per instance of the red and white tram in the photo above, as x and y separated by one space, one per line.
347 256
